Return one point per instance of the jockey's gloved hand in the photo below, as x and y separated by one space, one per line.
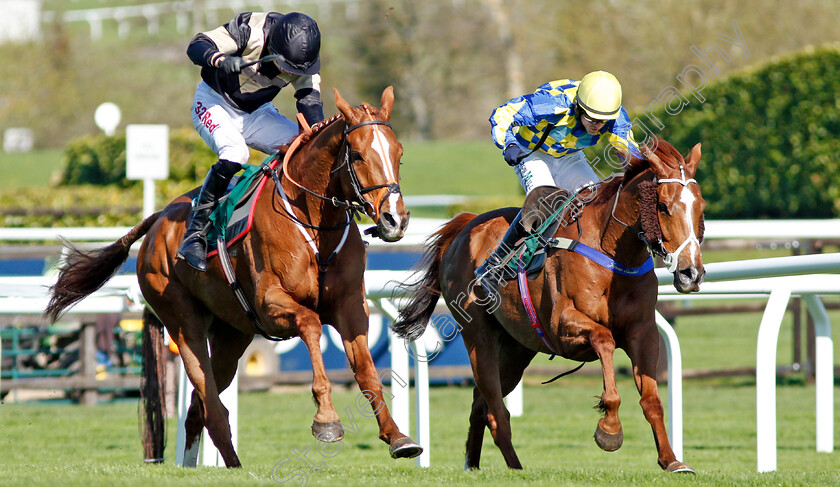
231 64
513 154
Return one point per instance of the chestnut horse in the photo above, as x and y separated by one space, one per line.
587 309
349 163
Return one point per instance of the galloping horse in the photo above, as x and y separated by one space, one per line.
349 163
588 309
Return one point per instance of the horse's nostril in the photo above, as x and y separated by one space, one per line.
689 273
389 219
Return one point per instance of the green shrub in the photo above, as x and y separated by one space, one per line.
100 159
770 138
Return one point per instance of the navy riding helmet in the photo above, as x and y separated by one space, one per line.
297 40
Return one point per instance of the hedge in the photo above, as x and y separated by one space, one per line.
100 159
771 138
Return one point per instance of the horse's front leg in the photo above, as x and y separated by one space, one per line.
282 309
352 324
643 350
608 434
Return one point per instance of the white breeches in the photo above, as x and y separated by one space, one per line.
229 131
569 172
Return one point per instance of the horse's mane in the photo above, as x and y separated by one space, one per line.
314 130
637 165
318 128
649 220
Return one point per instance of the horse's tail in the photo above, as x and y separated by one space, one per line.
85 272
415 315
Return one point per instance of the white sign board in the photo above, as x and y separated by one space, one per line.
18 139
147 151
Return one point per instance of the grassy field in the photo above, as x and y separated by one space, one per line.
30 169
45 444
72 445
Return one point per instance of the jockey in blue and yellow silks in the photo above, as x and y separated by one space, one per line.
543 134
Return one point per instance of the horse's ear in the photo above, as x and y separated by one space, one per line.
693 160
343 107
387 102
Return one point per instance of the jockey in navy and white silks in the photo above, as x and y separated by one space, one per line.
232 107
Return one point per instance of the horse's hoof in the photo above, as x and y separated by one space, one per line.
328 432
679 467
405 448
608 442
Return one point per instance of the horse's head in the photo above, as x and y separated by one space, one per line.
372 156
678 213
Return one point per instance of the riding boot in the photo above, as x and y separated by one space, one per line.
193 247
490 273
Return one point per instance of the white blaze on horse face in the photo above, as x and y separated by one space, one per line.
382 147
393 199
687 198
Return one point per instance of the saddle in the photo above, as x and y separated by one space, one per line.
544 210
233 216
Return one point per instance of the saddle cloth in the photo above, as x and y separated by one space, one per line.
233 216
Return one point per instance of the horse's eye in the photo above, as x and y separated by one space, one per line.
356 156
662 207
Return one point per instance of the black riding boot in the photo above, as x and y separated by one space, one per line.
193 247
490 273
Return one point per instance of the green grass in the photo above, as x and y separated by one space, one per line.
28 169
473 168
74 445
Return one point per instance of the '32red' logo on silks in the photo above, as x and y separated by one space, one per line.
204 116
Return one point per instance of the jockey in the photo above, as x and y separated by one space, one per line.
543 134
232 107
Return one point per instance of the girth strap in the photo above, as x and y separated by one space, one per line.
600 258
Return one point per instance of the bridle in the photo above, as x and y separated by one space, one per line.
670 259
353 207
370 209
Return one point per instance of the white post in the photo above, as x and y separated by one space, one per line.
147 159
765 379
514 401
210 456
184 394
674 355
400 406
148 197
421 388
824 370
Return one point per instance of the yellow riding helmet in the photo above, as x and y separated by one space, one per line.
599 94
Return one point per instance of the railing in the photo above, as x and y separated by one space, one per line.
183 11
